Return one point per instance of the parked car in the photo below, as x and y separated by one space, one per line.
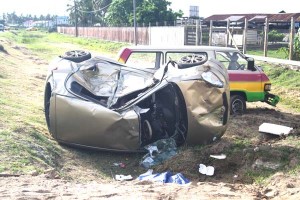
100 103
247 81
1 27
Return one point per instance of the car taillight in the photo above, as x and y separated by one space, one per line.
267 87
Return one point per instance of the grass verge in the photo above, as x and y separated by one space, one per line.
25 145
286 84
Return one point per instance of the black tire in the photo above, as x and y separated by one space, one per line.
47 97
77 56
237 104
191 61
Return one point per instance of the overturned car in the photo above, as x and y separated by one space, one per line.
99 103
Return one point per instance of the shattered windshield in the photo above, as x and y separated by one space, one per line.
109 79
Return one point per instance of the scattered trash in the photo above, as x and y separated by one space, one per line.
235 176
219 157
123 177
159 151
256 149
206 170
274 129
265 164
122 165
165 177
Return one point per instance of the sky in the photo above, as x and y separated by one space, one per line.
206 7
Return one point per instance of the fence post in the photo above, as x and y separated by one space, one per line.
185 34
292 35
134 23
266 38
149 34
197 33
201 33
227 32
210 33
76 19
245 36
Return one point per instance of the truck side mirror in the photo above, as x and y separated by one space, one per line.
251 64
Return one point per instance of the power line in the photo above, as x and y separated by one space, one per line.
93 11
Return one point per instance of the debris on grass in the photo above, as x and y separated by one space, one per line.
206 170
159 151
219 157
123 177
274 129
122 165
165 177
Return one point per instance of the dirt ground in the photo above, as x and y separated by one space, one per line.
229 182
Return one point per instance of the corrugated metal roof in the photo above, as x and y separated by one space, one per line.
280 17
235 18
283 17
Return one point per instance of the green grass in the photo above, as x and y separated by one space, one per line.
25 144
286 84
271 53
46 45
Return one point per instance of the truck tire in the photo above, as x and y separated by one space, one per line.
77 55
237 104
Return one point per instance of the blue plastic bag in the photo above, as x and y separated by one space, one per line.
165 177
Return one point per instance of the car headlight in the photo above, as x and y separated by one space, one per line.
212 79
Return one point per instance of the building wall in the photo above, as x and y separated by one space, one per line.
166 36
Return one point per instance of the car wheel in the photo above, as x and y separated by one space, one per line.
191 61
47 97
77 55
237 104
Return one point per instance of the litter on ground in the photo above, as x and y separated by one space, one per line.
165 177
274 129
206 170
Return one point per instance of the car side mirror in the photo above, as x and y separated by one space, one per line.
251 64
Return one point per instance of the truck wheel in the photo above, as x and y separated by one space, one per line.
237 104
77 55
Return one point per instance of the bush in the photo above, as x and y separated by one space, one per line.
296 50
274 36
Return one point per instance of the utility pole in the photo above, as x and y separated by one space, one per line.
266 37
292 36
76 19
134 22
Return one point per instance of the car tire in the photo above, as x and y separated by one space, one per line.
237 104
77 56
47 97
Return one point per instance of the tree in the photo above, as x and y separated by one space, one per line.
152 11
89 11
120 12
